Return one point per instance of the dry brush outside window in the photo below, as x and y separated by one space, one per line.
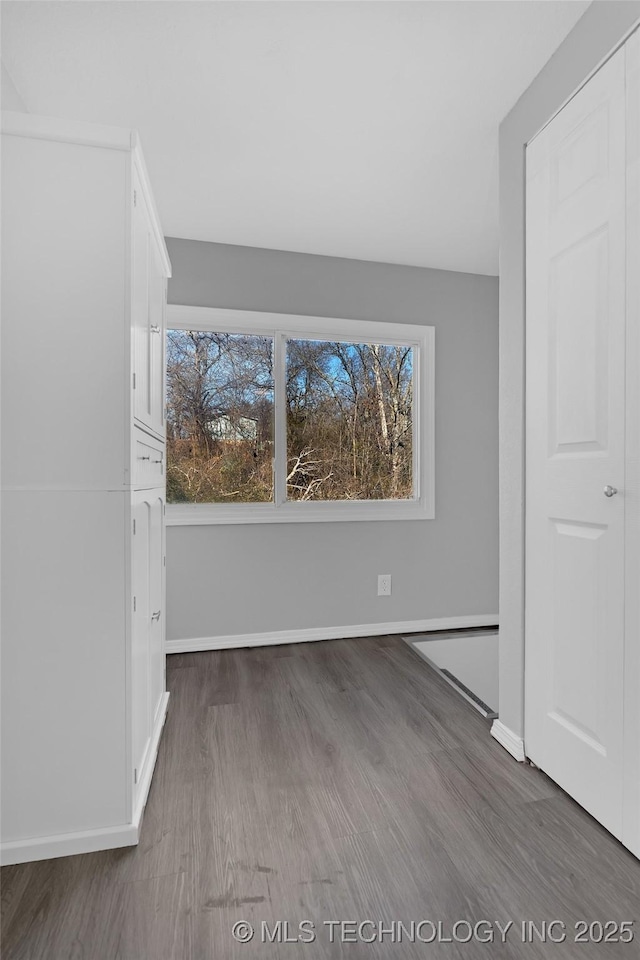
219 417
349 421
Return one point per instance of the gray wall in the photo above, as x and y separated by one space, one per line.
11 99
593 37
225 580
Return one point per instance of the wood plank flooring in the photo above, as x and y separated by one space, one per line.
341 780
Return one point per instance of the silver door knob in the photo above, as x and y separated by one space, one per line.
610 491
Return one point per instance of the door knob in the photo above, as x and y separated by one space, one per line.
610 491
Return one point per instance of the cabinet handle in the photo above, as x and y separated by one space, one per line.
157 461
156 615
144 458
155 328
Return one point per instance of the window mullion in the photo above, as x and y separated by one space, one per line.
280 446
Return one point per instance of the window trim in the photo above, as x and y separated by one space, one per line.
281 327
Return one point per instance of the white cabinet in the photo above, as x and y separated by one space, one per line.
84 269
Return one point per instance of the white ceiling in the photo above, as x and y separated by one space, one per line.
352 129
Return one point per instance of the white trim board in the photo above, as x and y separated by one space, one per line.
185 317
512 743
100 838
68 844
196 644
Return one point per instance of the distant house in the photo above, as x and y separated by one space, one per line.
233 429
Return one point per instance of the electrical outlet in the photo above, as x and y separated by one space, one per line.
384 585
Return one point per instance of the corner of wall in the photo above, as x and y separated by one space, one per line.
10 98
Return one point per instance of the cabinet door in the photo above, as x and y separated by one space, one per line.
140 306
148 318
156 593
140 635
157 324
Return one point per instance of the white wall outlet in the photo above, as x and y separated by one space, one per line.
384 584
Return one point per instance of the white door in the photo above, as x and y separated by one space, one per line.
575 426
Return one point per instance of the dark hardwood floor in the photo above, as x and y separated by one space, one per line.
335 781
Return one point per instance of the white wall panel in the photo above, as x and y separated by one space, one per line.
63 689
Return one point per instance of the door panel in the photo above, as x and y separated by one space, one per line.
578 378
579 554
140 307
576 445
140 650
157 338
156 626
148 318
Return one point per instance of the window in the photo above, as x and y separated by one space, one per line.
349 413
282 418
219 417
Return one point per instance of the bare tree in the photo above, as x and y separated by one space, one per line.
348 413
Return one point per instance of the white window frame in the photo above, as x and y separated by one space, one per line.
286 326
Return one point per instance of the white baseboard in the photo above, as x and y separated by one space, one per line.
68 844
508 739
195 644
88 841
